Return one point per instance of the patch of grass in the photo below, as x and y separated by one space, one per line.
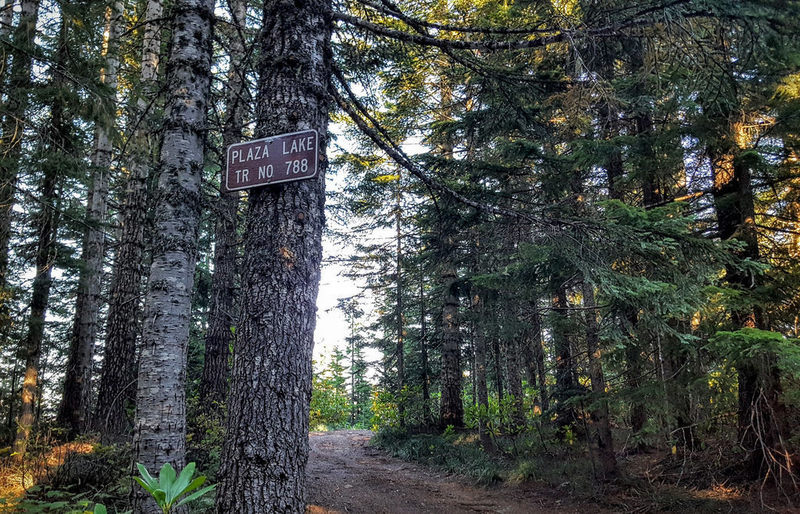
452 453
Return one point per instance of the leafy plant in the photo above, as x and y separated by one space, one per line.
170 486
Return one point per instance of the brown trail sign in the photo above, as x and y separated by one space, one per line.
272 160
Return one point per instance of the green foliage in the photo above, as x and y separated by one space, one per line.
458 454
754 347
385 414
168 489
206 436
330 407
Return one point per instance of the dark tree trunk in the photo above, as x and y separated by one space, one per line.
160 426
266 449
514 377
221 316
498 370
57 143
538 356
452 408
566 384
599 410
400 349
118 375
74 409
423 345
761 423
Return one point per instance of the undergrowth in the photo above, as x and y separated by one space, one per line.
451 453
517 459
568 470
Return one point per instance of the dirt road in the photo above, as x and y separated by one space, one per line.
347 475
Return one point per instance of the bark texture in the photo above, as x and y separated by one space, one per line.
6 18
266 449
399 325
452 409
221 316
762 429
160 427
118 375
423 348
74 409
481 388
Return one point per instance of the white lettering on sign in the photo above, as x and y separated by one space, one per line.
297 152
302 144
254 153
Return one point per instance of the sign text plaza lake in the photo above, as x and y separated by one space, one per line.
272 160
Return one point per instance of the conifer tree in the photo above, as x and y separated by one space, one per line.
118 374
74 409
266 448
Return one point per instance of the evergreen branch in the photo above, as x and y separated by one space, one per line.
372 129
391 9
455 44
559 36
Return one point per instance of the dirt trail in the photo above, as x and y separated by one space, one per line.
347 475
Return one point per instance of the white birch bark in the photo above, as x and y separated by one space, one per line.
160 426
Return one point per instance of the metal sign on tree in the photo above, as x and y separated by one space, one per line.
272 160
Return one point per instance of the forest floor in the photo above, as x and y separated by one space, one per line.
346 475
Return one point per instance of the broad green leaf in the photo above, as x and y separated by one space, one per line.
181 483
160 496
145 485
196 495
166 477
100 509
147 476
197 482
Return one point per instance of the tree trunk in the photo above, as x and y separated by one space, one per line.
19 85
400 350
266 449
74 409
538 356
423 345
452 409
761 412
514 377
481 389
599 405
565 373
57 143
6 19
219 336
118 374
160 427
498 370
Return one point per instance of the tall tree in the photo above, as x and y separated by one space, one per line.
221 316
118 375
599 407
50 157
266 449
160 427
13 122
74 409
